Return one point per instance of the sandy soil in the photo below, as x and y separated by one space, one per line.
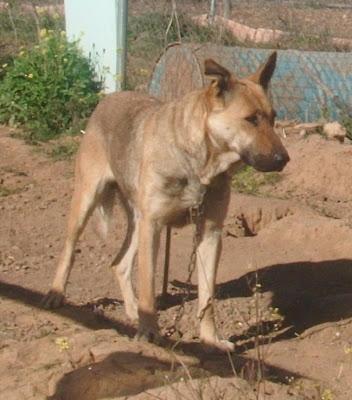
284 294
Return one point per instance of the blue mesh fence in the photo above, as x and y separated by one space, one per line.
305 86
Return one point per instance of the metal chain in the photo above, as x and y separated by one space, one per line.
195 214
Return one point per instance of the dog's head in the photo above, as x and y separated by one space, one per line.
241 117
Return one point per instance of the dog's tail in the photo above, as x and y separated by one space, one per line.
102 216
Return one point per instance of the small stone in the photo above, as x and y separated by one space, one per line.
334 130
302 133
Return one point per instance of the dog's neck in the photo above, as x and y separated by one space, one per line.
217 164
207 159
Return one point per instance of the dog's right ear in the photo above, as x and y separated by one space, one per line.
220 76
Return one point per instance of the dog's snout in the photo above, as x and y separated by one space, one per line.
281 159
278 157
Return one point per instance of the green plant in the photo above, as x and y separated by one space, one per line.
63 151
346 121
50 89
249 181
5 191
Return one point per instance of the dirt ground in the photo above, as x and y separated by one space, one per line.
284 294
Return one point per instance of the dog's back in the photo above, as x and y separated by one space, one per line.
111 136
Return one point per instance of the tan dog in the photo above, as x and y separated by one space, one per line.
162 160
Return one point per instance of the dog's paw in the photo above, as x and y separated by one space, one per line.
131 310
151 335
54 299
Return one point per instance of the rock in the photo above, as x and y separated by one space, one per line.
334 130
302 133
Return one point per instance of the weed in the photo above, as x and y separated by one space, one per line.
307 41
249 181
63 151
5 191
147 39
62 343
18 29
348 349
346 121
327 395
49 89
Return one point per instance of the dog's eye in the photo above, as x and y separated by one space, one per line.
253 119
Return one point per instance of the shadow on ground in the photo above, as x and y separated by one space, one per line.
306 293
127 373
79 313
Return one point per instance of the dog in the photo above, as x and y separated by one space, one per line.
163 159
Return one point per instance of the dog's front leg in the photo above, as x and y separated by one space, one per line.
208 255
149 236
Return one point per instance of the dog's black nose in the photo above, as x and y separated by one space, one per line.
281 159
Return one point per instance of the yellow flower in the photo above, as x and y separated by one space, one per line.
143 72
62 343
30 76
40 10
43 33
4 65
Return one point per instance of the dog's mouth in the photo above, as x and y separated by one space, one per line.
271 163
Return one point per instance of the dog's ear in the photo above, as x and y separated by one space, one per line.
220 75
265 72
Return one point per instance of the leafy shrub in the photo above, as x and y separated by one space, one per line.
50 88
250 181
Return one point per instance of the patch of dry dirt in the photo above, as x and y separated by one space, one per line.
285 280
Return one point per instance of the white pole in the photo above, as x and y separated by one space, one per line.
101 27
212 10
121 40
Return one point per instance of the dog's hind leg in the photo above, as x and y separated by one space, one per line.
123 262
91 181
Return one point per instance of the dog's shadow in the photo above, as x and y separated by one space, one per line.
306 294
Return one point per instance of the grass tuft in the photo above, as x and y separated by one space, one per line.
250 181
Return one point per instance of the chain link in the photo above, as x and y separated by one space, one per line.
195 214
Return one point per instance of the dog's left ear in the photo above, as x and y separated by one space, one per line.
219 74
265 72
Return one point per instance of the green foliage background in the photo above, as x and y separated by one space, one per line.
50 88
